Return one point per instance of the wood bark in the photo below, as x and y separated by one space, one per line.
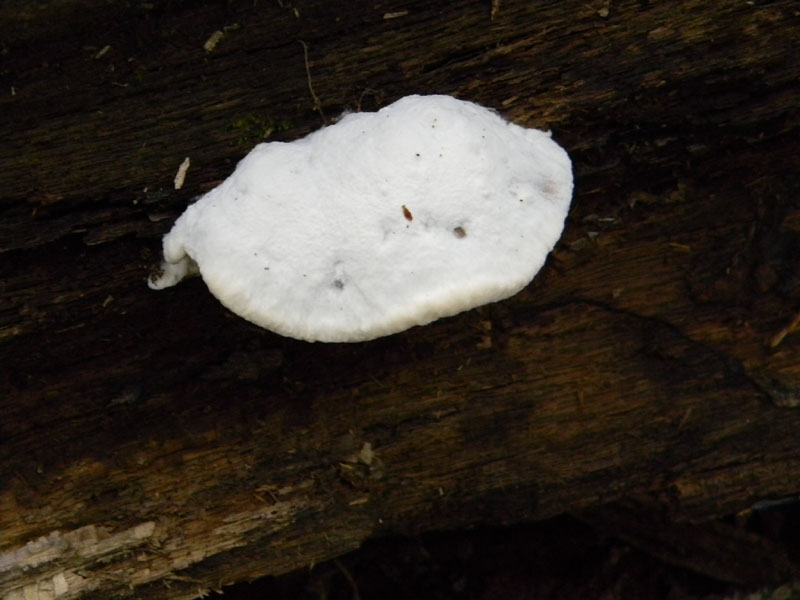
153 445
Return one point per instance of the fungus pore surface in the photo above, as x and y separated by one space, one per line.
386 220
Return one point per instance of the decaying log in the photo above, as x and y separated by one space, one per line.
156 446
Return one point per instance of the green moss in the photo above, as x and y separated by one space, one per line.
254 128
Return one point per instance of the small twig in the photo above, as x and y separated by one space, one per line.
378 96
778 337
685 418
317 103
495 9
349 577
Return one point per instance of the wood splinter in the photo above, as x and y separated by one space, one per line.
776 339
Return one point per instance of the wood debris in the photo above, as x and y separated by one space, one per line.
181 174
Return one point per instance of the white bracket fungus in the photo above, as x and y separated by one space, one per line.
426 208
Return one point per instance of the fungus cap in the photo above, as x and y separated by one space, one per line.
386 220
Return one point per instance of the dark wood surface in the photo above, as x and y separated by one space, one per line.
155 445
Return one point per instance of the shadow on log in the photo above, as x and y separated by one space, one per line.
155 446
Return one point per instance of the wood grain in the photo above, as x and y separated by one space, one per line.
155 446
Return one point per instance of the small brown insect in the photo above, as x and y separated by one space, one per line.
407 213
460 232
